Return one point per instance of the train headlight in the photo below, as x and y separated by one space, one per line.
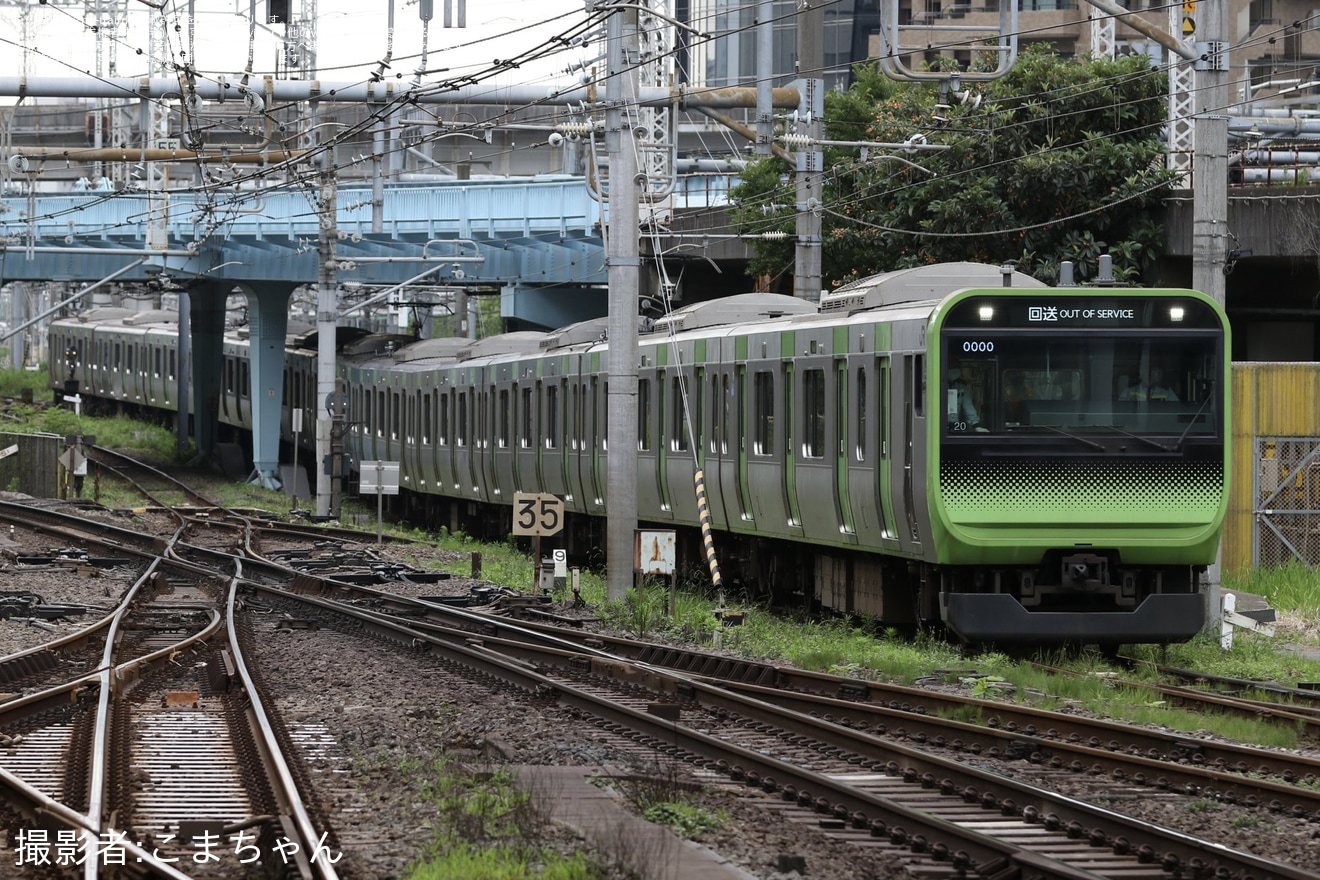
987 312
1176 313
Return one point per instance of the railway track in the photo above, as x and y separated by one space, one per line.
949 814
851 759
163 752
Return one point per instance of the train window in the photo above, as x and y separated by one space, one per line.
644 415
679 438
528 419
725 401
604 432
394 415
841 420
740 407
595 412
716 402
763 412
462 413
813 406
128 359
919 385
118 354
444 419
172 369
505 420
860 446
425 417
245 381
699 406
380 413
552 417
1097 383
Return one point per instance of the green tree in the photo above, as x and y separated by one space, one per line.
1059 160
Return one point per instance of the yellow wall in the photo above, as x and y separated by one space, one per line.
1270 400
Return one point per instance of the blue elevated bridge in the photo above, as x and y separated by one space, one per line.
536 239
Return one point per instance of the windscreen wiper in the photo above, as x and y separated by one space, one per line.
1192 421
1157 444
1077 437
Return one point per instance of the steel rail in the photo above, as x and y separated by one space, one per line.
838 798
286 788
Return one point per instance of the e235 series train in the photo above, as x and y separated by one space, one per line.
949 444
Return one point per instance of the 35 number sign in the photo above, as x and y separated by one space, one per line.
537 514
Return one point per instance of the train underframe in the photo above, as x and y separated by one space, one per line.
1068 598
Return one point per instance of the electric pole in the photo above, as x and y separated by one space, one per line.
810 174
623 257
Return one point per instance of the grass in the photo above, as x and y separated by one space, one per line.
487 829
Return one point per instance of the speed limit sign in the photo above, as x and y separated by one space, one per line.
537 514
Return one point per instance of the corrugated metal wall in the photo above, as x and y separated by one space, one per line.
34 469
1276 427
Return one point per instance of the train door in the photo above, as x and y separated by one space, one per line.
664 430
483 425
244 393
813 486
503 452
435 399
525 471
683 394
742 401
463 440
410 446
446 442
554 471
648 467
729 437
913 409
769 459
577 449
715 448
596 440
427 479
841 438
869 480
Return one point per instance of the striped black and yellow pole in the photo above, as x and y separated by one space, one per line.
707 539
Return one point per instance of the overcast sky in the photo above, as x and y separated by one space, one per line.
350 42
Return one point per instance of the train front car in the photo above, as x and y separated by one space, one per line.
1082 462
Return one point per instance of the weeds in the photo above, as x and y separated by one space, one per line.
487 827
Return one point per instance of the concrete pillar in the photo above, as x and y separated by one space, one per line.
268 321
208 324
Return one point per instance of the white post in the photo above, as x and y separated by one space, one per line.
296 414
380 496
1229 605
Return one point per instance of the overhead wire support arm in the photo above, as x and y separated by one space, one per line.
1133 19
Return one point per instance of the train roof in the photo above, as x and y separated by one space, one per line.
153 316
505 343
742 308
103 315
375 344
586 332
444 348
920 284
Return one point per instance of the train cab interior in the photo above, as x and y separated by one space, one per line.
1110 387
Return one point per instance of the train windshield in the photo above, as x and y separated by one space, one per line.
1083 384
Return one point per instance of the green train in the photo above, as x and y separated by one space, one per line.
955 445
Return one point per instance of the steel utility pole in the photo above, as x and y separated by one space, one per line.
327 317
1210 147
622 255
811 58
1206 21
